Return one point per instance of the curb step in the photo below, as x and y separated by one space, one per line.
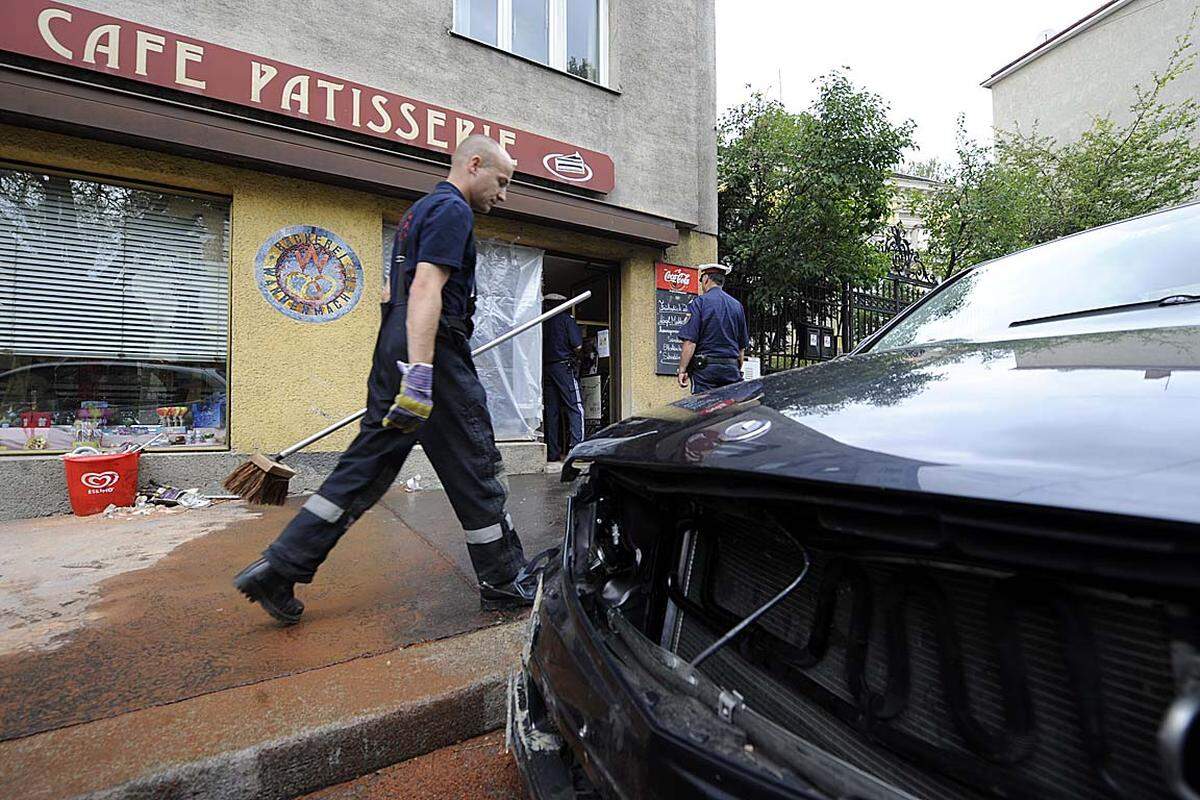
280 738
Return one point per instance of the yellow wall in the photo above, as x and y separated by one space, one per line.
289 379
641 389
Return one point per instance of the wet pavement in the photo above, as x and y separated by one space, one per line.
169 627
537 504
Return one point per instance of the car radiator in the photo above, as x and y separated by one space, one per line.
947 681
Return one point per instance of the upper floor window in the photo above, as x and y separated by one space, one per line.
570 35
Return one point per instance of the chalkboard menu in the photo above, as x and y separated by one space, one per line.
674 288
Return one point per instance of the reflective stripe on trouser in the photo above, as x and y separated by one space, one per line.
457 439
496 560
715 376
561 391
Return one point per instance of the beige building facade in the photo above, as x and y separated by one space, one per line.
1091 68
197 217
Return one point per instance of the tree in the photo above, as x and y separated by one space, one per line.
800 196
1026 188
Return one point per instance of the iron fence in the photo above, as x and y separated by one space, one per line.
824 318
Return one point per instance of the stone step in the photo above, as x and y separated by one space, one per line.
476 768
278 738
35 487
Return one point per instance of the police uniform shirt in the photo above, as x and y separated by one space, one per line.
560 338
439 229
717 324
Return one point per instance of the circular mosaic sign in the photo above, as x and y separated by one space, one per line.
309 273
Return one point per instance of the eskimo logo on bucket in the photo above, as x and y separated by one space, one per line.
99 482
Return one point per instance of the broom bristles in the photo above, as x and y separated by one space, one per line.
260 480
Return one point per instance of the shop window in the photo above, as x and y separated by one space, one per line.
114 315
389 245
570 35
508 281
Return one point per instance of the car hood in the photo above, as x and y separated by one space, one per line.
1106 422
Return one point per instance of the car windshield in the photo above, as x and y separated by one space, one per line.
1112 278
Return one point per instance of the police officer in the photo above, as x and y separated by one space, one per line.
561 343
422 388
714 336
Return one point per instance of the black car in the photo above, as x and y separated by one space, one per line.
961 562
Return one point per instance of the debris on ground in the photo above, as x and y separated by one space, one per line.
170 496
413 484
159 498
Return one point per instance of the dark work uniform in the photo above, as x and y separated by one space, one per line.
457 438
717 324
560 338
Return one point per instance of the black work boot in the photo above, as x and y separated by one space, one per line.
517 593
498 565
506 579
263 585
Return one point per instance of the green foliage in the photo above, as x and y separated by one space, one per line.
1027 189
929 168
801 195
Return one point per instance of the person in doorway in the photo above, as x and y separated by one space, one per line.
561 344
714 336
422 388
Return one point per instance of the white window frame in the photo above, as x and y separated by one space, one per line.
557 23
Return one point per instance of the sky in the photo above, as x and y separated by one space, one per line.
925 57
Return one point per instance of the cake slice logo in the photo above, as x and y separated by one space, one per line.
568 167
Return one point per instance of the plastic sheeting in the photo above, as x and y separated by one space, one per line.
508 292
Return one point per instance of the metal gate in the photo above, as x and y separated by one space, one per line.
782 331
866 310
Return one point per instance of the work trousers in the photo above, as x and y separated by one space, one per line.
714 376
458 440
560 389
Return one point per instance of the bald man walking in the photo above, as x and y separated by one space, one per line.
422 388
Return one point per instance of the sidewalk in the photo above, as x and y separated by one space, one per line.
106 620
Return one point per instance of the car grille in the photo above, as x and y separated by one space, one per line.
1065 747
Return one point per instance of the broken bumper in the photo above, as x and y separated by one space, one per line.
578 729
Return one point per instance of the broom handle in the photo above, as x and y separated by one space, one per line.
499 340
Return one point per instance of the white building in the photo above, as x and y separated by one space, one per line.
1090 69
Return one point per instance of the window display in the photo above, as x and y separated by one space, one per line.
114 315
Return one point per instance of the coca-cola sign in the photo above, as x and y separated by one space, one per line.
674 278
69 35
675 288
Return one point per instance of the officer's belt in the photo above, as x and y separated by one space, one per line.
463 326
718 359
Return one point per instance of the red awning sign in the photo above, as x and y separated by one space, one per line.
69 35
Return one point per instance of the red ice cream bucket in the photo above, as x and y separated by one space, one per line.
97 481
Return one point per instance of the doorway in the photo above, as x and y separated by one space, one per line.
597 318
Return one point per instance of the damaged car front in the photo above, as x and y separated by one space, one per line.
962 562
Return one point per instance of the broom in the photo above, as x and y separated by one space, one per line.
265 480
